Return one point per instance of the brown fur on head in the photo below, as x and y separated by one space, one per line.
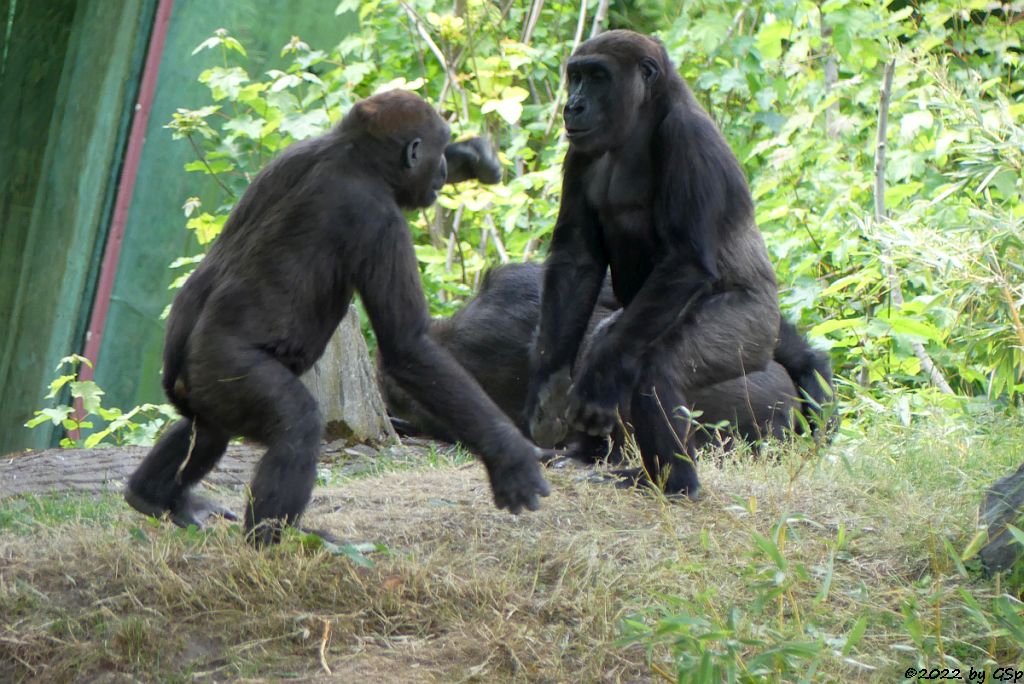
394 111
642 54
626 45
400 139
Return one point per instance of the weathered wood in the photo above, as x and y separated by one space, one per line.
108 468
93 470
345 385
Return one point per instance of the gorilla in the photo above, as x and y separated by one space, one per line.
492 334
321 222
651 191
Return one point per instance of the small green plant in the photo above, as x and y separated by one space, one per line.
764 638
140 425
358 554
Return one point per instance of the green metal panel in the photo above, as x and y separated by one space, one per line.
128 368
68 80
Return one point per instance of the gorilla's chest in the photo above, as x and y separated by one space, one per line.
620 192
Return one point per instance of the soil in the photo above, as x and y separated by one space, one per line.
108 468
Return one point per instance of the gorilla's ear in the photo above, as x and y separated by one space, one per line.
411 155
649 70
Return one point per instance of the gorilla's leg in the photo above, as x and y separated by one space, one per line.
281 413
249 392
664 435
757 405
161 484
284 478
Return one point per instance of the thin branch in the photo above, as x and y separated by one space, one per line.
531 245
452 239
325 640
831 78
499 244
531 21
454 244
599 18
421 28
927 365
1011 303
209 170
561 74
485 236
436 228
880 141
504 12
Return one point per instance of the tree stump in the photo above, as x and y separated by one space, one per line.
344 383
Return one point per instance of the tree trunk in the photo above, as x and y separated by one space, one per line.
344 383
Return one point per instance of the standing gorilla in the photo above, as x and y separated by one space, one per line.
321 222
651 190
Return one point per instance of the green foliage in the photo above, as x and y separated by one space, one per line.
794 86
786 628
139 425
356 553
763 639
24 515
484 81
952 183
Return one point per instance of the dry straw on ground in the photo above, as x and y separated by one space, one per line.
465 593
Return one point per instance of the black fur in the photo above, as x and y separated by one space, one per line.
473 158
652 191
319 223
492 334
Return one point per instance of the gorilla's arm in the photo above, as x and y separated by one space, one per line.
573 274
473 158
611 367
387 279
702 205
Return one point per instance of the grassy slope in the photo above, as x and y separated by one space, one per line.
858 585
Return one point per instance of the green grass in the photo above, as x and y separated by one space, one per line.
25 515
843 565
395 459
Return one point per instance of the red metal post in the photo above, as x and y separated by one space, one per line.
126 186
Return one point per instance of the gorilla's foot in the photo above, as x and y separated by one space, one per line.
144 505
192 509
637 477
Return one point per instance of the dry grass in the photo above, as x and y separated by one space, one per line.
468 593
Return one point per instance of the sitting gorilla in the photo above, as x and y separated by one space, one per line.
652 193
492 334
321 222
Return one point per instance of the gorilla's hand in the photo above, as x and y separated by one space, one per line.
473 158
517 482
601 390
546 410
